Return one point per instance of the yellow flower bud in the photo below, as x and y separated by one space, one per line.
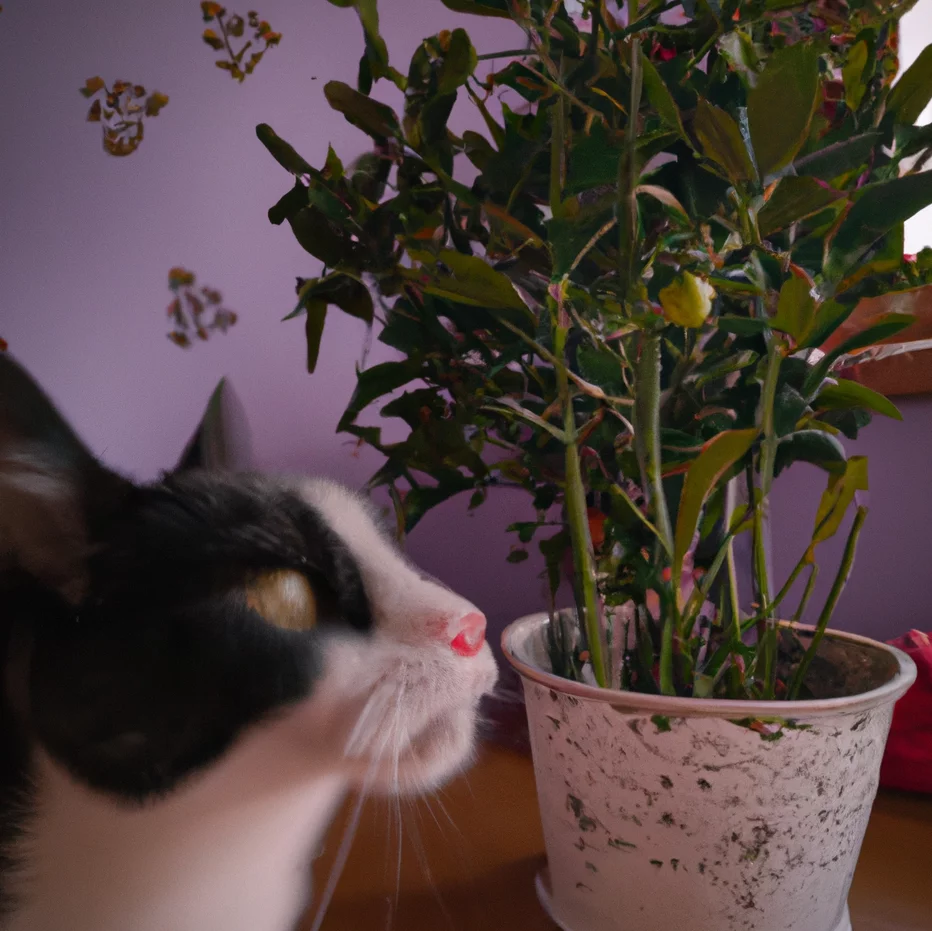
688 301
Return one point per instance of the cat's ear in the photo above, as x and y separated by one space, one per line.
52 490
207 448
220 443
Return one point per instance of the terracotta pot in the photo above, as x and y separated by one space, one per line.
663 814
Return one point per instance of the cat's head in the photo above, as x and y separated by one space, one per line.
145 628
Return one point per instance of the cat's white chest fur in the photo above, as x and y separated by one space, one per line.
230 852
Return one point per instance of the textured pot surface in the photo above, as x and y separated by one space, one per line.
666 814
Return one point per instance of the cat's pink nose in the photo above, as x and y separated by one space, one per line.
470 634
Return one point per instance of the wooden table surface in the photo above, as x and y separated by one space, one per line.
469 856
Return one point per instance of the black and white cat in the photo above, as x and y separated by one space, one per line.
195 673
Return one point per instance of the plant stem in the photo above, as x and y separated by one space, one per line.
557 143
226 41
647 440
575 493
628 179
701 54
646 19
767 631
578 519
807 593
841 579
768 396
769 609
508 53
701 591
765 628
733 597
667 686
647 434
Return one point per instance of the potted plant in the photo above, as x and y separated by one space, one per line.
672 210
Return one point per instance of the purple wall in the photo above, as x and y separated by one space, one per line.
891 588
87 241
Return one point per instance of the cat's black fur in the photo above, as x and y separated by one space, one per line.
159 663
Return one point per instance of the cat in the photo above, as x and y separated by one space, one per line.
195 673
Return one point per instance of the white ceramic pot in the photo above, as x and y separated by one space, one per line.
665 814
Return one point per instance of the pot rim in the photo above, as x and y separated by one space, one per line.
678 707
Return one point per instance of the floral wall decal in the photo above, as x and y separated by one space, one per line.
121 110
234 27
195 310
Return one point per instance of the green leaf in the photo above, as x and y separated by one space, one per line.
794 199
459 63
418 501
725 365
321 197
525 529
570 236
741 326
884 257
513 224
839 157
878 209
314 329
601 367
781 106
716 458
553 550
795 309
813 446
497 8
913 91
666 198
374 118
788 406
593 161
829 317
282 152
883 328
517 555
511 409
853 75
289 204
845 394
912 140
721 141
470 280
345 291
375 382
368 13
316 294
728 285
660 97
333 167
835 501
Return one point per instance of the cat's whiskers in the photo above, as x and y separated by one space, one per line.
426 802
435 797
419 852
396 810
378 702
343 851
506 695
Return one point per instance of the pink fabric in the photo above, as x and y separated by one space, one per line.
907 763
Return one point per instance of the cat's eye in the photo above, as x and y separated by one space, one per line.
284 598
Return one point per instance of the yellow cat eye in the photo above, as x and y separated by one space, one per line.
284 598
